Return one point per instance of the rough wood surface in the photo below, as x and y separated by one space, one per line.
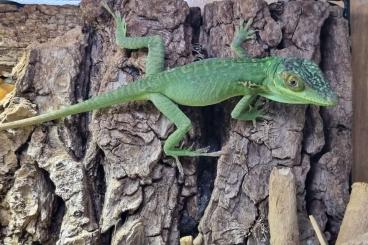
355 223
102 178
359 38
20 26
359 240
282 216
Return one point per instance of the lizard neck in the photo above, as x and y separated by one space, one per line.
253 73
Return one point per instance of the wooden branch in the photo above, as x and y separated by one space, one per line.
282 215
359 37
355 222
198 240
317 229
186 240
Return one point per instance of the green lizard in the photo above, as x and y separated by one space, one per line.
206 82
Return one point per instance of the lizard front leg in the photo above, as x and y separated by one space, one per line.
156 49
245 111
242 34
183 125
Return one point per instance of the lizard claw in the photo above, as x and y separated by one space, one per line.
248 24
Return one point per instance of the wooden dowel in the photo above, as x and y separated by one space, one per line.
282 215
186 240
321 237
359 38
355 222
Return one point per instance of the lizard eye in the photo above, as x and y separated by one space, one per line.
294 83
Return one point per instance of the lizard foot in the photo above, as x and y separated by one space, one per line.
175 153
253 114
204 152
120 22
244 31
193 153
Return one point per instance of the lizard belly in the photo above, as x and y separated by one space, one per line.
200 94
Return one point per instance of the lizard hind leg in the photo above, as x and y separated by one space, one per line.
183 125
156 48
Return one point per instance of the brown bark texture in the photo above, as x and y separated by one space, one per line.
102 178
20 26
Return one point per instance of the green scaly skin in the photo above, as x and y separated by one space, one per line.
207 82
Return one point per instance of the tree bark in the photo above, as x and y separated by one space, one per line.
102 178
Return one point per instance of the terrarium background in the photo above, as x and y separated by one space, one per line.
101 177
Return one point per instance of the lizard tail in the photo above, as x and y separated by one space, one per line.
126 93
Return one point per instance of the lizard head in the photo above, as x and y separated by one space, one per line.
299 81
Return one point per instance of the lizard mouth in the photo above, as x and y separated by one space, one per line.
330 100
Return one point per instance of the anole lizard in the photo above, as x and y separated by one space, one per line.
206 82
